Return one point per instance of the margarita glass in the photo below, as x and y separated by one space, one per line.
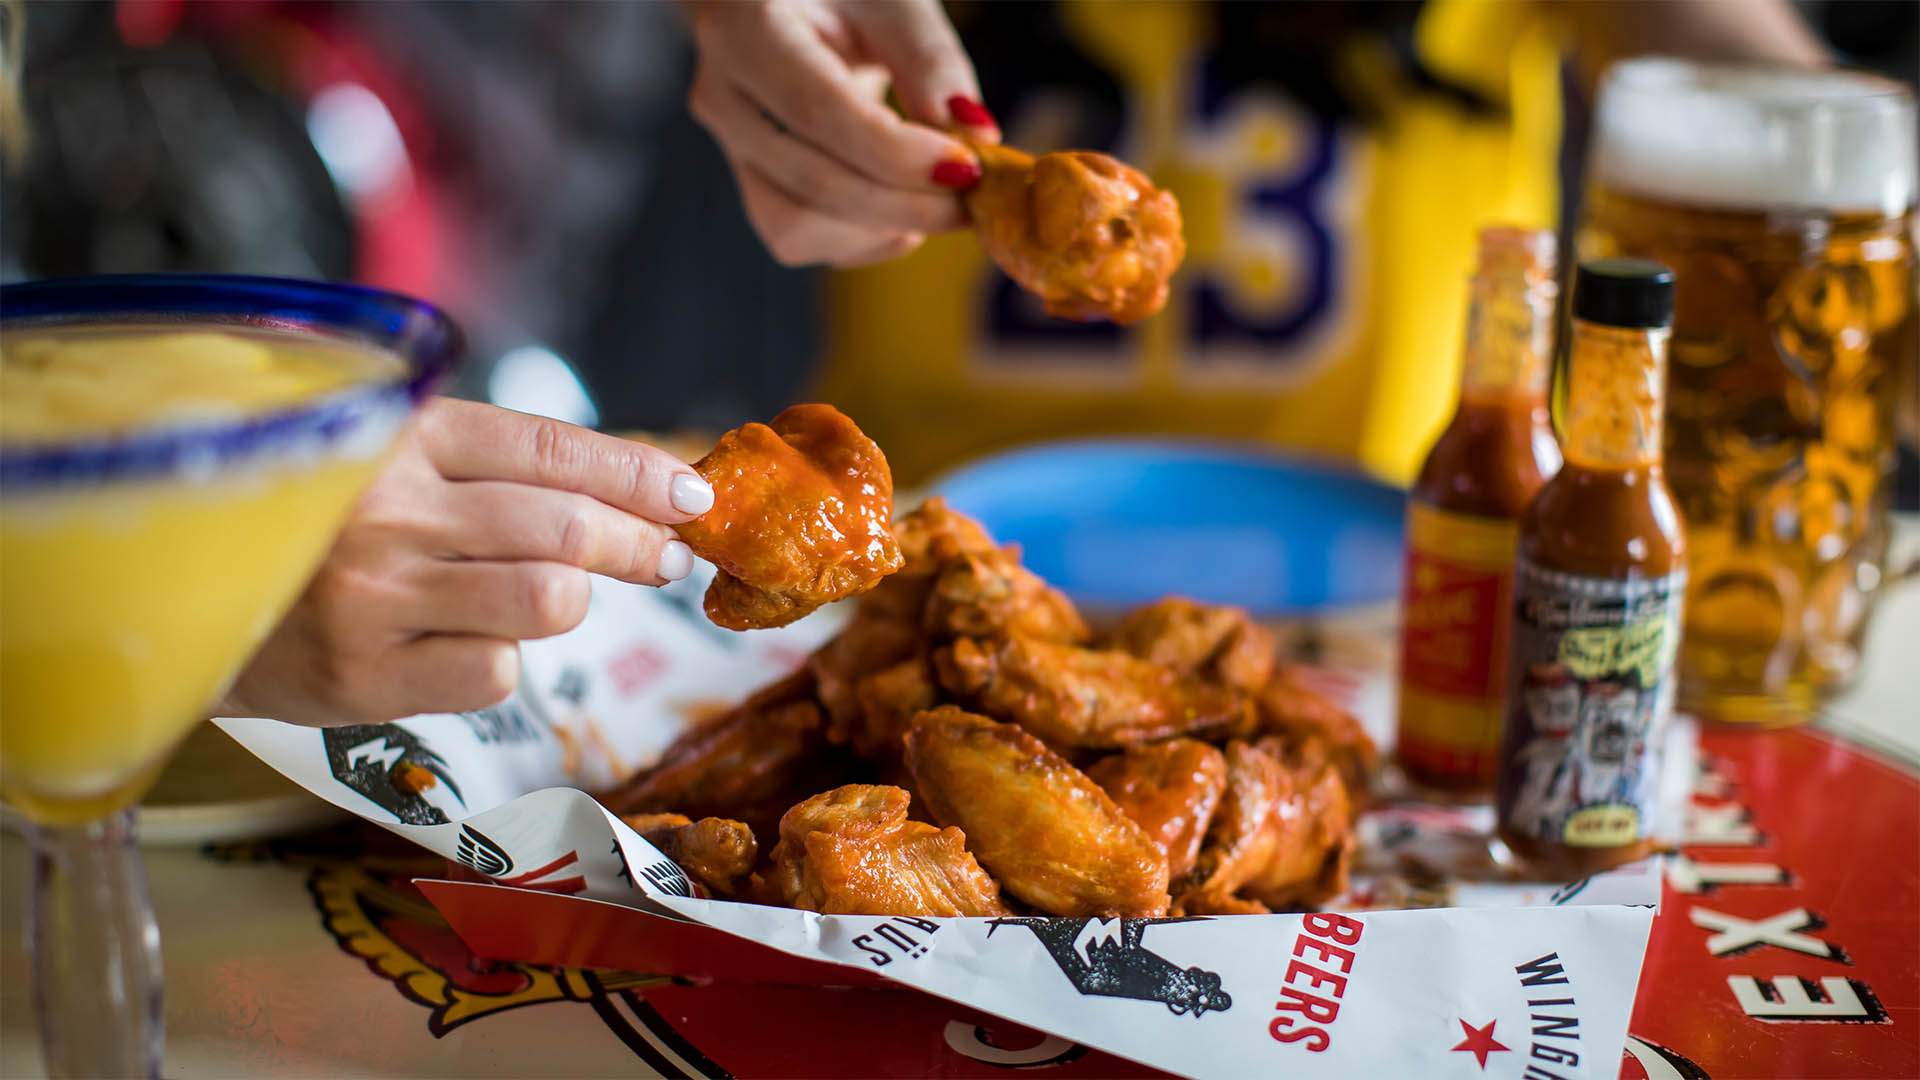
176 455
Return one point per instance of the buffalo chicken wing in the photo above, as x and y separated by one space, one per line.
1051 836
1171 790
1091 237
1074 697
1220 644
717 852
989 594
801 517
852 851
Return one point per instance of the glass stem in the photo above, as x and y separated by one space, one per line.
96 951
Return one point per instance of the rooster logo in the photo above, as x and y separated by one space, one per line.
1104 958
393 767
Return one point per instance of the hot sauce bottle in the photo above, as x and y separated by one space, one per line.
1463 515
1599 580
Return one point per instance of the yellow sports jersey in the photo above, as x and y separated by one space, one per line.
1332 184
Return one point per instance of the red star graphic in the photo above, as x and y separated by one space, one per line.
1479 1042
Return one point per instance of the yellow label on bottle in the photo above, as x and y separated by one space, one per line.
1608 826
1459 583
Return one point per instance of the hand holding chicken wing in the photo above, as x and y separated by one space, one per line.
801 517
1051 836
1090 236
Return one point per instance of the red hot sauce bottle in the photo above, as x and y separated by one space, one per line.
1463 515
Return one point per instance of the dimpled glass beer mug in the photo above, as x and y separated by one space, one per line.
1784 201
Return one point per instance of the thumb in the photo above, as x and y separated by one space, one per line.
931 73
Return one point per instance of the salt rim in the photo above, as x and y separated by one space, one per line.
1756 138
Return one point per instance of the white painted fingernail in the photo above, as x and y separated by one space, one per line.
690 495
676 560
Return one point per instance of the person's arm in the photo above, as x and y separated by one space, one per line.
478 534
1727 31
794 92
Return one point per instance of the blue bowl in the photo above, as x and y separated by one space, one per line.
1122 522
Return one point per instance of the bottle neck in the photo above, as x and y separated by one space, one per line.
1616 396
1509 338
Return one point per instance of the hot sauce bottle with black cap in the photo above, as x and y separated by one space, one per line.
1463 520
1599 578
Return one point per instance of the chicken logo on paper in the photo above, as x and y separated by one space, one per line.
396 769
1105 958
482 854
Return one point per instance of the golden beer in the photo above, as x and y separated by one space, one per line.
1784 202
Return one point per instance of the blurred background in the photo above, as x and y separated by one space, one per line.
533 168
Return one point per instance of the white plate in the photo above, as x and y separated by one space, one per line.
214 791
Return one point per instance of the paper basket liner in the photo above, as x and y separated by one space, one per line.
1512 975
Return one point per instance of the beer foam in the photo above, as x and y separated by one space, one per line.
1747 138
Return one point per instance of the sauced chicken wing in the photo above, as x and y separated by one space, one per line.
889 700
1281 837
1051 836
1310 862
989 594
717 852
1243 837
1218 643
1090 236
1074 697
1171 790
1311 724
801 517
867 645
852 851
932 524
750 763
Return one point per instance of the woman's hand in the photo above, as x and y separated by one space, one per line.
480 533
794 92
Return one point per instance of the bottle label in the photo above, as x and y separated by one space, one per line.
1589 689
1457 601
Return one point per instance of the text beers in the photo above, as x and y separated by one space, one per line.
1599 579
1783 201
1487 464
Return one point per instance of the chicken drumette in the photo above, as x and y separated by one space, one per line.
1089 235
801 517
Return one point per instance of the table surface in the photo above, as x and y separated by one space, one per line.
1797 898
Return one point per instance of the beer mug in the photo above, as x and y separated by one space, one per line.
1784 201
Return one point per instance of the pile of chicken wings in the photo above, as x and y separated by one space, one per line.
968 746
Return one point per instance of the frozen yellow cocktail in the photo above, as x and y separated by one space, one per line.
129 605
176 454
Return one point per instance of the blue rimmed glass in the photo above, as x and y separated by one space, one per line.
94 939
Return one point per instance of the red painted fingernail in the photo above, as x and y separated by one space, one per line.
969 113
958 175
